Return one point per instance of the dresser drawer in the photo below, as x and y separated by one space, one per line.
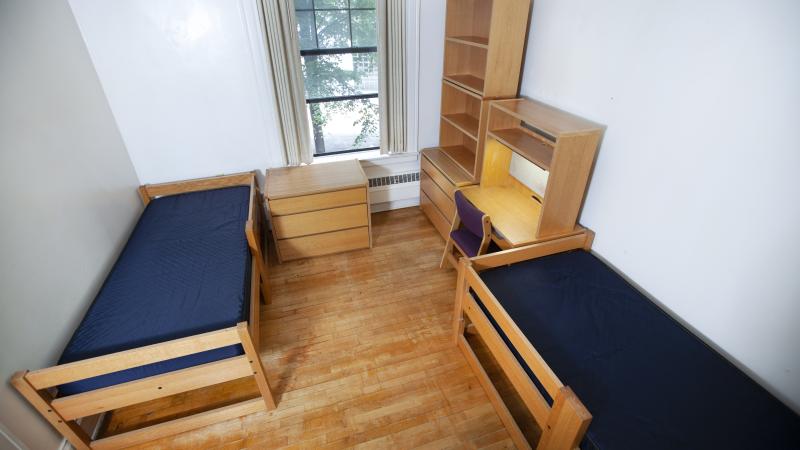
324 244
441 224
323 221
437 177
314 202
445 204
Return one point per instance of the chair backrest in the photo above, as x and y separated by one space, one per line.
470 216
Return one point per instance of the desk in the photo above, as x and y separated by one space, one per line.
514 215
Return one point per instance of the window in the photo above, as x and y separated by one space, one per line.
339 54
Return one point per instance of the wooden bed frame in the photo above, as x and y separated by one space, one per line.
37 386
564 423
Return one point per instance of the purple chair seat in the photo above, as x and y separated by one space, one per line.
466 241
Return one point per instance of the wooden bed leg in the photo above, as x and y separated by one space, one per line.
461 291
41 401
566 424
255 363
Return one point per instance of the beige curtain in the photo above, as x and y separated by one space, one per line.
391 57
284 50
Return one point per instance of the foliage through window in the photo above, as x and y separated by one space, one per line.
339 53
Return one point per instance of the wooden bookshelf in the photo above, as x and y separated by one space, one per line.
470 82
562 144
462 156
475 41
464 122
484 45
483 51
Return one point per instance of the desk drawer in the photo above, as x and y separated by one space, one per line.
314 202
438 177
324 244
445 204
323 221
441 224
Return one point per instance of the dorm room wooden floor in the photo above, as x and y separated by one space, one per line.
358 349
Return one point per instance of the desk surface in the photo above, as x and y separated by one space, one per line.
314 179
514 215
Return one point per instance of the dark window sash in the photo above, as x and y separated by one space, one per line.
337 51
341 98
353 150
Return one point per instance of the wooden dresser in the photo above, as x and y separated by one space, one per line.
438 179
319 209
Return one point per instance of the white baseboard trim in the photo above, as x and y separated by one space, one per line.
395 204
10 438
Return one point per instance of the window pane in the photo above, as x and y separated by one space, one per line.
302 4
366 72
333 29
344 125
306 30
330 4
365 33
362 4
340 75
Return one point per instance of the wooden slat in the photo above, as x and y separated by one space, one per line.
130 393
179 425
201 184
531 396
532 358
42 402
494 397
101 365
545 248
254 324
567 424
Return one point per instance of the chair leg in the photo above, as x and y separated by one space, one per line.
448 248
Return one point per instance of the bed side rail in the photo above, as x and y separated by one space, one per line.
254 230
150 191
583 238
564 423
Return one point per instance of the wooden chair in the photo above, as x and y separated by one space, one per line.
471 233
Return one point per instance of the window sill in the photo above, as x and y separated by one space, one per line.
371 157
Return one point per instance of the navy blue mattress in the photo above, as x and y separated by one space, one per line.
648 382
185 270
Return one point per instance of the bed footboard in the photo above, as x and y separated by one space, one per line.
562 424
62 412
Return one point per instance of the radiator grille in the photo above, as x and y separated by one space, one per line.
394 179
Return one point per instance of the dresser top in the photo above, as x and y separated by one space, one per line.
314 179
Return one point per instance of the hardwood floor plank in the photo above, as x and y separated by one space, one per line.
358 347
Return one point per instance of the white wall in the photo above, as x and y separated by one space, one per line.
695 192
188 82
431 62
67 192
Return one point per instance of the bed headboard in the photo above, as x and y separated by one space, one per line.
150 191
